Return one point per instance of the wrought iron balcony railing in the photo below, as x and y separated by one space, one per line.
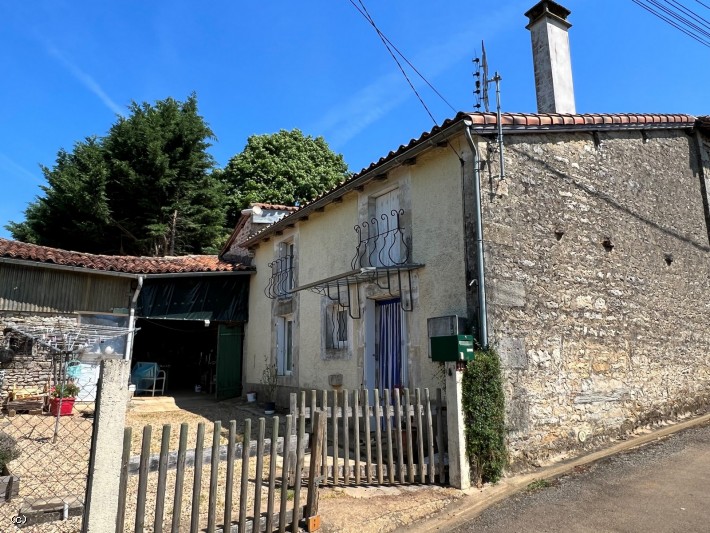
281 282
382 242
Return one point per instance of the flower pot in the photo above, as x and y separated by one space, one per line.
269 408
251 397
66 408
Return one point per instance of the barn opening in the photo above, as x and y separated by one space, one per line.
191 333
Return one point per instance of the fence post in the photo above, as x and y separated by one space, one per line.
101 507
314 474
459 468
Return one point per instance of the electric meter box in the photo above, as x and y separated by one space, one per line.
452 348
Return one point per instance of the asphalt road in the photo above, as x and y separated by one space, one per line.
661 487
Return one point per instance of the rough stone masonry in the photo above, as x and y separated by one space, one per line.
598 264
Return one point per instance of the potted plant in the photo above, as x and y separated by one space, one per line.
269 381
62 399
9 484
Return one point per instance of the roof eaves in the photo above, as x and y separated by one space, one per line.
391 160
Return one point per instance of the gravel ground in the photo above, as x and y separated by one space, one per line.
661 487
50 469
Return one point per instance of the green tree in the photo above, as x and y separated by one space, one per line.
74 212
281 168
147 188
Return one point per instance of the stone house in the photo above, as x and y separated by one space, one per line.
167 298
577 245
595 246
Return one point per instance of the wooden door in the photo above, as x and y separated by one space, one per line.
229 361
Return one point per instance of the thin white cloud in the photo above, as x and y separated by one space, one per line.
86 80
11 167
366 106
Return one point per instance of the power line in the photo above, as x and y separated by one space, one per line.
367 16
389 48
681 23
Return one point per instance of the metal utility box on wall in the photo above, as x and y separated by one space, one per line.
442 326
452 348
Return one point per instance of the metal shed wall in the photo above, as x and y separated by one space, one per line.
43 290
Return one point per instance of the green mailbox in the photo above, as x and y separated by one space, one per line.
452 348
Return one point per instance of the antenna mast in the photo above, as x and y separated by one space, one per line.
481 92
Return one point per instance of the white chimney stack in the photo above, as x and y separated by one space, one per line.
551 57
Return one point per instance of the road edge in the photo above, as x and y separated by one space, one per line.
475 501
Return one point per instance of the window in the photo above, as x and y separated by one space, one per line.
386 246
287 251
284 345
336 327
283 278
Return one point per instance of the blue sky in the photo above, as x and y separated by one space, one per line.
69 66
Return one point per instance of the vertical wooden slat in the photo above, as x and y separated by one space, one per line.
284 474
356 434
378 439
430 435
162 477
229 478
336 458
179 478
302 410
313 410
293 404
346 440
143 478
300 447
420 435
243 494
388 431
318 423
398 434
366 436
197 479
214 472
440 434
123 483
324 466
408 424
272 475
259 475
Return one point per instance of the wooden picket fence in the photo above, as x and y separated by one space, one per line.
397 439
167 489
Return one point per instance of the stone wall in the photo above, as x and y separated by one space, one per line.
32 365
598 271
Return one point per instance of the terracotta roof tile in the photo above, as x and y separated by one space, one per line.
519 122
276 207
117 263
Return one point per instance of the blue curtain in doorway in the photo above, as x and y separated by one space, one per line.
390 344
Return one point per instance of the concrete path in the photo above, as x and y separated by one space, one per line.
662 486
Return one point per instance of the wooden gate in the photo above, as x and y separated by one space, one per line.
251 485
397 439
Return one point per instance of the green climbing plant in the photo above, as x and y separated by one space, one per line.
484 417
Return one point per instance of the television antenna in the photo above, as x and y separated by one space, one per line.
482 81
481 91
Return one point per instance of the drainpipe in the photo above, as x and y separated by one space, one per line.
480 270
132 319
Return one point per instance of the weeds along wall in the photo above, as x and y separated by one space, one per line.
598 277
484 417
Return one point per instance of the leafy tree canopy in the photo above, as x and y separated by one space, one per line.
280 168
147 188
